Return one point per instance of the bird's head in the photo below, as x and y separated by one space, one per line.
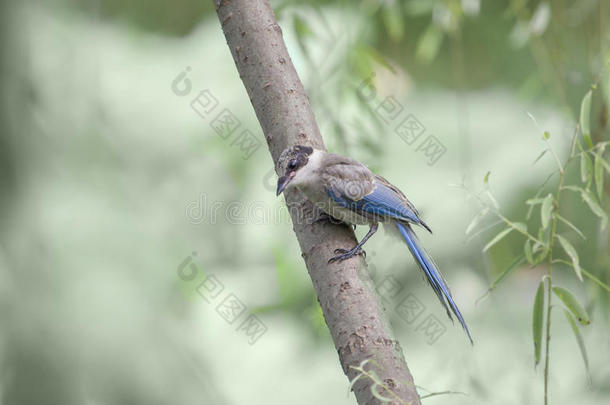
292 160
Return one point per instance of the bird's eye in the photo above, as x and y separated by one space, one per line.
293 164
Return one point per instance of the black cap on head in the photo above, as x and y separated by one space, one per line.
292 159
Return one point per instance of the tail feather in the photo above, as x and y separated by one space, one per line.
434 277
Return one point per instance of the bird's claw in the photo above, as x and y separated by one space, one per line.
343 254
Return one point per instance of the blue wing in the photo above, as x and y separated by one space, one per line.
383 202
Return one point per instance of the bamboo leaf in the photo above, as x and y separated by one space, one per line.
540 156
594 206
571 225
587 274
546 210
585 118
476 220
586 168
598 173
573 188
537 320
571 251
301 28
520 226
573 305
606 165
543 237
497 238
393 21
527 250
580 341
511 267
493 200
486 178
428 44
534 201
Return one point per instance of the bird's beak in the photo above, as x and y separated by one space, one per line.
282 183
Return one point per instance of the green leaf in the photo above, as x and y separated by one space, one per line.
580 341
493 200
360 61
594 206
534 201
543 253
540 156
571 251
585 118
497 238
486 178
511 267
572 304
606 165
429 44
527 250
290 290
476 220
574 188
586 168
571 225
538 316
546 210
378 57
543 236
419 7
598 172
519 226
301 28
393 20
542 247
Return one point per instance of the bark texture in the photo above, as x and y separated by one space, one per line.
356 319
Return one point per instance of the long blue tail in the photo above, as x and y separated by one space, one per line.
436 280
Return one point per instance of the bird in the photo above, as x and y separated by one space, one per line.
347 191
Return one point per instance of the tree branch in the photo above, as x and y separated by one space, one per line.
356 319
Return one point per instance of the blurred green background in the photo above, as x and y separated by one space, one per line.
109 181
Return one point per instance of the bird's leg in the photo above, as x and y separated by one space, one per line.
356 250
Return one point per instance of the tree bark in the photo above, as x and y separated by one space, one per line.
358 324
